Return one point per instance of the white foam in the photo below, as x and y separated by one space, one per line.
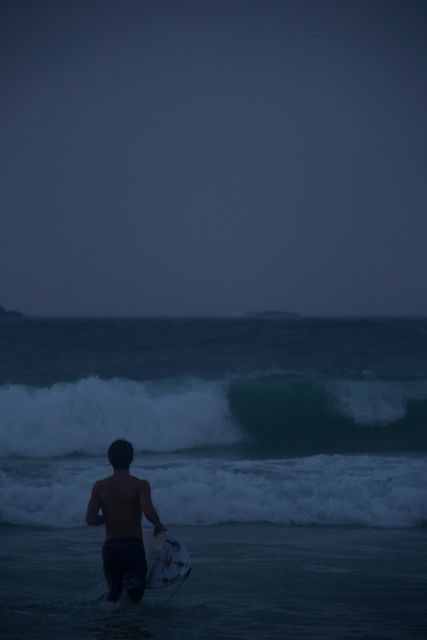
85 416
375 402
320 490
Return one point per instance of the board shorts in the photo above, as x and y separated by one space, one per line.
125 567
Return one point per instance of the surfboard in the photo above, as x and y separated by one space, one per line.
168 561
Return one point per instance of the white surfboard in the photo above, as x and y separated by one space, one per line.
168 561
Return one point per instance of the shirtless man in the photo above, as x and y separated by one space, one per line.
123 499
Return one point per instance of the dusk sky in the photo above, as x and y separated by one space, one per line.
213 157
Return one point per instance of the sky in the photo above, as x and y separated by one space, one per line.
213 157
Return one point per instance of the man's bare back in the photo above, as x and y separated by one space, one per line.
123 499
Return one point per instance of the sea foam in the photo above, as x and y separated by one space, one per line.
371 491
376 402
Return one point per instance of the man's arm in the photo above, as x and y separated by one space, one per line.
148 507
92 516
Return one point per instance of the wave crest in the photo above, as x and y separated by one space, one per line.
85 416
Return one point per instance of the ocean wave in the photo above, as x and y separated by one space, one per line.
305 415
282 414
321 490
85 416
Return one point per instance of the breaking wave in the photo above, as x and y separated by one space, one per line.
85 416
267 414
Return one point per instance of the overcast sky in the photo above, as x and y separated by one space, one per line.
213 157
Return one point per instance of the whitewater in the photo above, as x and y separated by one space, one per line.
318 490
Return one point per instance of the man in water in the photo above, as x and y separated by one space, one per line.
123 499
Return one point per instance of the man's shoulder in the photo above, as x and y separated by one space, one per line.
102 482
143 484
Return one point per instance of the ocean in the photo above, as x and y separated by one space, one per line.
290 457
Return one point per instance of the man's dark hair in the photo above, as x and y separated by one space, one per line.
120 454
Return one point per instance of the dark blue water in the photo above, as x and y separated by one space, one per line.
290 456
42 352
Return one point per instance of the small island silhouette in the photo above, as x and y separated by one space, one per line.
10 315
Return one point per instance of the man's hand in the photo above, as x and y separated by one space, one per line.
158 529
